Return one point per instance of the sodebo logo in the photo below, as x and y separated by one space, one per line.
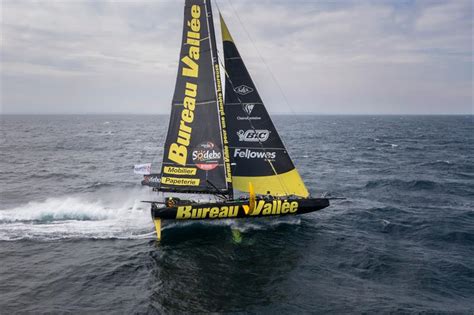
206 156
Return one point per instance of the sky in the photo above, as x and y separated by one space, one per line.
311 56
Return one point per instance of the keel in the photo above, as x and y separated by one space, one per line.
157 222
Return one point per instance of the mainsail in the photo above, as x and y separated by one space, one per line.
257 153
196 157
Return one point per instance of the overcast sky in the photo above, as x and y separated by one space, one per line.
333 57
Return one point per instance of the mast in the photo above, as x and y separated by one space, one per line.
193 157
256 148
220 98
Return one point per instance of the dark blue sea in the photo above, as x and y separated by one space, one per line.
75 238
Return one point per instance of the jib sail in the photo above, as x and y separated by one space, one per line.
257 153
193 158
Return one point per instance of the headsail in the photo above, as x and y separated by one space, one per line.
193 158
255 146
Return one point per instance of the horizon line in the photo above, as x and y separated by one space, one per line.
271 114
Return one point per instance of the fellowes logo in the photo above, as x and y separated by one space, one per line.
243 90
250 154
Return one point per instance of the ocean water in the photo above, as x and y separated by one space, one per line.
74 236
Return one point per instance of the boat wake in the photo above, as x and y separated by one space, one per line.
122 216
104 215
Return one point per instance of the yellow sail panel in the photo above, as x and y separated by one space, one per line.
225 31
289 183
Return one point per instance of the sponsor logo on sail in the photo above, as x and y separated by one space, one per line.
151 179
243 90
207 156
178 150
180 181
248 118
253 135
248 108
251 154
179 170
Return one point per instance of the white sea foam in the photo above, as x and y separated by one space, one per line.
105 215
78 217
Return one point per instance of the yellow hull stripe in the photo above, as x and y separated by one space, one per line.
289 183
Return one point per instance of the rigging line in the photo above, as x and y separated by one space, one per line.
217 5
283 185
266 65
263 60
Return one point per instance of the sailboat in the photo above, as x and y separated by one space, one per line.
216 145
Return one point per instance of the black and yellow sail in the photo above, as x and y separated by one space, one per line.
196 157
257 153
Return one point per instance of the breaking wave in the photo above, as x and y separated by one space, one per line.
77 218
114 216
54 209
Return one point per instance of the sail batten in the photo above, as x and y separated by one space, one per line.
256 149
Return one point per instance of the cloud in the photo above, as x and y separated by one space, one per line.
328 57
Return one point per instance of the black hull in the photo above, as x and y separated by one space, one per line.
239 209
